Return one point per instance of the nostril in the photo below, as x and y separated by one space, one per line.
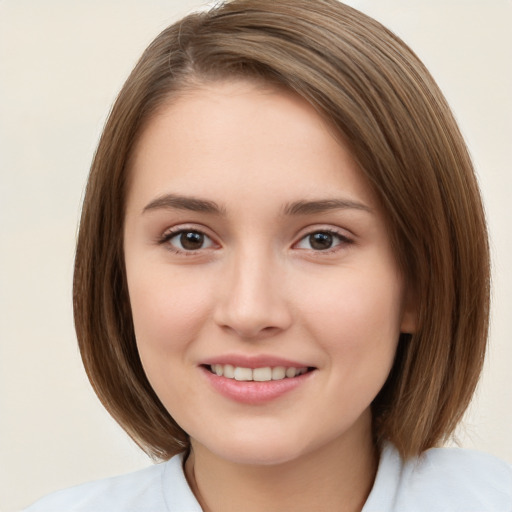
251 332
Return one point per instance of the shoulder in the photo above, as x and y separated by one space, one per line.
477 480
444 479
161 487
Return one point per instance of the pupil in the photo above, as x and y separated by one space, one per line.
320 241
191 240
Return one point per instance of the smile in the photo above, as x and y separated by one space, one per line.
256 380
263 374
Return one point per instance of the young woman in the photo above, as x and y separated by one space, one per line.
282 274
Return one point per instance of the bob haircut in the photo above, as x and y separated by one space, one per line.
375 94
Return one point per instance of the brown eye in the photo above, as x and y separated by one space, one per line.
190 241
321 241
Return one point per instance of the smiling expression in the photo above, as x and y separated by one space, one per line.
266 299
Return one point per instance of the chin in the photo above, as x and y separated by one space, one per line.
269 455
259 449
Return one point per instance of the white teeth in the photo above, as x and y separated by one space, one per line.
278 373
290 372
229 371
243 373
263 374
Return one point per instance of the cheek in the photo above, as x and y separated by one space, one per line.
168 310
357 318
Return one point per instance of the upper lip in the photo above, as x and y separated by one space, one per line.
259 361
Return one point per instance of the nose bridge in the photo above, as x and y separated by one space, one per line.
254 301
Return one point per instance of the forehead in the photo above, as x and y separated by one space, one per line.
242 137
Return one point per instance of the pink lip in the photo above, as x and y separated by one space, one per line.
251 392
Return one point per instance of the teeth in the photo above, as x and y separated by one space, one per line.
243 373
263 374
278 373
290 372
229 371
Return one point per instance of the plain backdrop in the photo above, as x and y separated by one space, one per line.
61 65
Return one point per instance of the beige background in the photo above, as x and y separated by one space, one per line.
61 64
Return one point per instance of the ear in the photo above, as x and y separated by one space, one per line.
409 322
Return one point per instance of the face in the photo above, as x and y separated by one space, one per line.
266 299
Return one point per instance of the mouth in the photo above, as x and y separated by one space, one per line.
262 374
257 380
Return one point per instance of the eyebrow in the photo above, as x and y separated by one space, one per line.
324 205
302 207
178 202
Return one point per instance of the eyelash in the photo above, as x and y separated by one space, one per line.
166 238
343 240
173 233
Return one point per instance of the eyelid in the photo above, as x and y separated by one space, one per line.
171 232
174 231
341 234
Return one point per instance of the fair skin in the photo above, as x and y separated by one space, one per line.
254 245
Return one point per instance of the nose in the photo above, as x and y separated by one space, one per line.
253 302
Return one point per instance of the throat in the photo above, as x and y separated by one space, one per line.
306 484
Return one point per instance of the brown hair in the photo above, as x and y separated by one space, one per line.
378 95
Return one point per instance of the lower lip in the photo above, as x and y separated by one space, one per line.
251 392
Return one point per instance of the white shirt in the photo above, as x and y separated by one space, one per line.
441 480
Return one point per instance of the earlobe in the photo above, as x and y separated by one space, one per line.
409 322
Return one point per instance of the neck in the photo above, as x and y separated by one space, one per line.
336 477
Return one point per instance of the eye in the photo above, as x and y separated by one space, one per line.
322 241
187 240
